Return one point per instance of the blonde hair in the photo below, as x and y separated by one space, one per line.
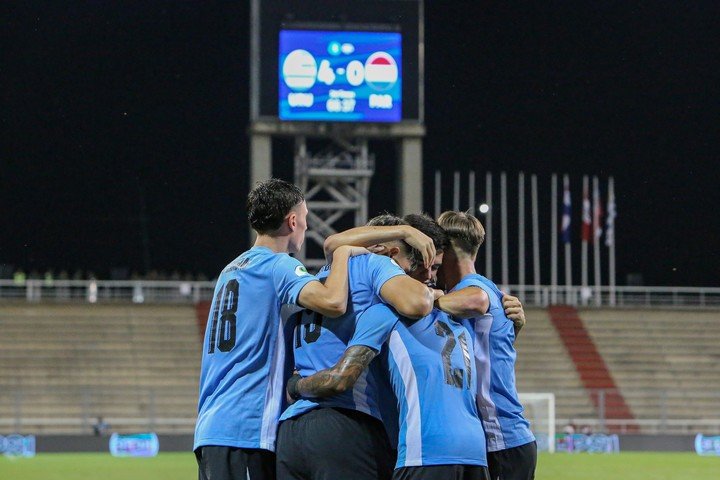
466 233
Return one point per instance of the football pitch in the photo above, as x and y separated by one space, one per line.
181 466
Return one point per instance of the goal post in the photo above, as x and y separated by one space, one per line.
540 412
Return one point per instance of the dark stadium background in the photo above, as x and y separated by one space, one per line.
125 121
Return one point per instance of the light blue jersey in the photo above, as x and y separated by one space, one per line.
320 342
243 363
434 380
498 404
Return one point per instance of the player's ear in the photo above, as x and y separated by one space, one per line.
291 221
379 249
392 251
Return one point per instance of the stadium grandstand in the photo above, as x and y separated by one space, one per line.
79 350
567 148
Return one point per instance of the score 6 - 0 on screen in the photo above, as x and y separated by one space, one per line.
340 76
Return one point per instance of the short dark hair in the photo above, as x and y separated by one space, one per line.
386 220
269 202
391 220
429 227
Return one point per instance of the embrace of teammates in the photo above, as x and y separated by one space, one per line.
396 361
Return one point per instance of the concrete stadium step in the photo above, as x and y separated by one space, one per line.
654 350
149 355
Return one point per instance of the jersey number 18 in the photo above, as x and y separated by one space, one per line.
226 305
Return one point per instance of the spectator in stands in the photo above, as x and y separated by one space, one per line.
569 428
100 427
19 278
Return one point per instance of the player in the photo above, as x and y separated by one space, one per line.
342 436
433 379
241 379
512 450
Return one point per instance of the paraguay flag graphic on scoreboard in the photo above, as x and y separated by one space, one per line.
381 71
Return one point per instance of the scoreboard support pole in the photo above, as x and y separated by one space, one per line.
260 159
409 181
260 166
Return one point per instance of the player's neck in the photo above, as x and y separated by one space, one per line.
465 266
277 244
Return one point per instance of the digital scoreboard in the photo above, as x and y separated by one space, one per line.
336 75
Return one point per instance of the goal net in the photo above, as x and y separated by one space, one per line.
540 412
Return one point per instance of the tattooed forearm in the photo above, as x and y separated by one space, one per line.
340 377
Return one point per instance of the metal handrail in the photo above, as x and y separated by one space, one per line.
171 291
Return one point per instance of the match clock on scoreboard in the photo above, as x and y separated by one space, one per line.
352 76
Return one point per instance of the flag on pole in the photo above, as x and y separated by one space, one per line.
586 217
611 214
565 222
597 211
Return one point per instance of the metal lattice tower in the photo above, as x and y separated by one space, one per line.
336 182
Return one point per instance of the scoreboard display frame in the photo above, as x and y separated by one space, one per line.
268 19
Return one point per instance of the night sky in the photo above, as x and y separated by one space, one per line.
124 126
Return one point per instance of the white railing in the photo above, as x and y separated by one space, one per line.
107 291
46 409
684 297
142 291
654 411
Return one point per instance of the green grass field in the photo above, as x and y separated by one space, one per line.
181 466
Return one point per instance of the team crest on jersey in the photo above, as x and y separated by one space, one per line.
301 271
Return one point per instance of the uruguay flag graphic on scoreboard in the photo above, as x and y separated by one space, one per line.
381 71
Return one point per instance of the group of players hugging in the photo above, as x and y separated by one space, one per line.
395 361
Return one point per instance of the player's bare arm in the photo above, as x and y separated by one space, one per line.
409 297
514 311
337 379
330 298
467 302
368 236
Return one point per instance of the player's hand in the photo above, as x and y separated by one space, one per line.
514 310
290 386
436 293
421 242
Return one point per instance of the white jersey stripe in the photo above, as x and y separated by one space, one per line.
360 393
483 364
413 434
273 399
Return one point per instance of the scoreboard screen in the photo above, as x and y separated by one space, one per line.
346 76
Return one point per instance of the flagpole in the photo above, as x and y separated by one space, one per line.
438 193
521 234
503 229
610 238
568 252
456 191
536 238
585 235
488 225
471 193
597 232
553 240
